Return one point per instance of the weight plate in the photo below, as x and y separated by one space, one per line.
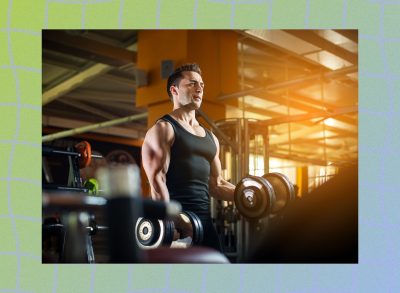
169 232
198 231
200 228
254 197
149 233
283 188
85 153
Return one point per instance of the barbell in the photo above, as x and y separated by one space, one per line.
186 229
82 151
256 197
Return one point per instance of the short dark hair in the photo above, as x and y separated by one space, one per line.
176 76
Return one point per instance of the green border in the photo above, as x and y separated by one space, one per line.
21 22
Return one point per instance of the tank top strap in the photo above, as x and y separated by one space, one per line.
175 125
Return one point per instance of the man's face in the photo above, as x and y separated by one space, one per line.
190 90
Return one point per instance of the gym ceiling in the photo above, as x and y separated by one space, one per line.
303 85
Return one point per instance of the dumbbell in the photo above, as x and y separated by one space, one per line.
256 197
152 233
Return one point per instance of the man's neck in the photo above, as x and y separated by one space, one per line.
184 115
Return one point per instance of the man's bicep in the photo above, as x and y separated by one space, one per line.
216 168
156 148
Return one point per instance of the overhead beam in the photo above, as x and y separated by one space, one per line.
287 84
283 138
52 122
100 95
92 127
111 104
350 34
296 158
278 53
332 157
107 135
88 49
125 80
316 40
341 131
308 116
87 108
61 64
262 62
285 101
314 140
298 103
302 133
260 111
74 82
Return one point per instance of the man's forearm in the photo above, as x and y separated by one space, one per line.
223 190
159 190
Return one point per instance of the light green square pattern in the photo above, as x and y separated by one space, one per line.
61 15
3 198
5 152
30 87
24 159
373 93
391 22
8 242
30 130
258 12
132 15
372 50
28 201
23 45
288 14
9 92
27 15
100 14
8 276
9 113
213 14
4 58
178 18
32 269
318 19
26 228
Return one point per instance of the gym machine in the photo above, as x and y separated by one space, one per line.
260 197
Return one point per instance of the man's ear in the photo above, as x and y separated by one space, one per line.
173 89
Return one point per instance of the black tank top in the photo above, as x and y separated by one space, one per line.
189 168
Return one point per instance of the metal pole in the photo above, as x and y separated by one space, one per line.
87 128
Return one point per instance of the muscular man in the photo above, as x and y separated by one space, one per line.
181 158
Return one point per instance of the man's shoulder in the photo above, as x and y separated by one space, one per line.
162 128
163 123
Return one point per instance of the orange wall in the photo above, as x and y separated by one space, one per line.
214 50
